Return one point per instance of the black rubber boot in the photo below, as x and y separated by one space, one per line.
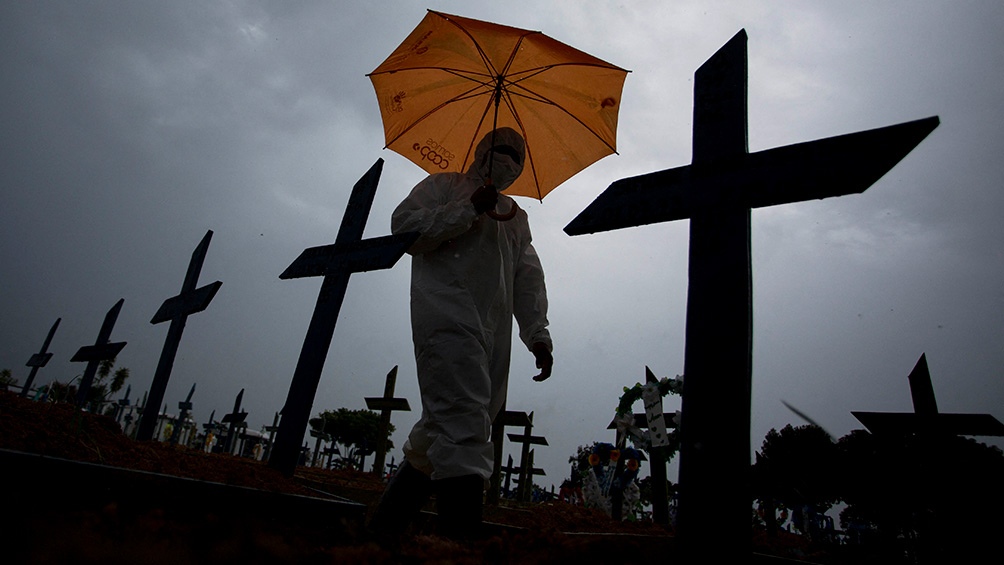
402 500
459 503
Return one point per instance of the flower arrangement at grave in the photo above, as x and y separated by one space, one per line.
604 470
655 436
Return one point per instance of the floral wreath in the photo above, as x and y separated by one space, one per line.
625 412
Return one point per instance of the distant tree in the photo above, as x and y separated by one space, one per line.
107 381
796 468
6 380
353 430
938 498
645 486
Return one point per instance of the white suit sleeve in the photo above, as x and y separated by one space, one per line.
437 210
530 297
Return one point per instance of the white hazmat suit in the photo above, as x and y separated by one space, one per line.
470 274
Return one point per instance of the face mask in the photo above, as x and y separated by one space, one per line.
505 171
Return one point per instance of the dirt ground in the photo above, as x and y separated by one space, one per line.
99 496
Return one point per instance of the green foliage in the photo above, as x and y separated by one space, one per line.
797 467
943 491
351 428
935 498
633 394
107 381
580 461
646 487
6 379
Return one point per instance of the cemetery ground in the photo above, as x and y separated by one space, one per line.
76 489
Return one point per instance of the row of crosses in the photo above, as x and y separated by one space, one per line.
716 192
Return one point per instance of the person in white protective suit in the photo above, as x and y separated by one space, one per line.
473 269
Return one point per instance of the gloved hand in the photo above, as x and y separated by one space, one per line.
544 360
485 198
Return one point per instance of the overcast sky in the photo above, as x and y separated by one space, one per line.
128 129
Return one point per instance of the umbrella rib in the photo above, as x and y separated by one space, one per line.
458 72
474 139
460 97
512 54
526 142
525 74
481 52
537 97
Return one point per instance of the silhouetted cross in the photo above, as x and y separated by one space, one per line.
525 473
190 300
39 359
385 404
925 418
349 254
102 350
185 408
525 463
235 419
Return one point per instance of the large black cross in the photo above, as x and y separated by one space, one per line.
190 300
102 350
716 192
385 404
349 254
925 418
39 359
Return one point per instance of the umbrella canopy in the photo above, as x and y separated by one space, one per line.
455 79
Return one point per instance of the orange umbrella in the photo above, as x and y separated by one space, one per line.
455 79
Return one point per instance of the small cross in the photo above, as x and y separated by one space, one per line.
385 404
505 419
349 254
362 453
527 471
191 300
235 419
524 461
39 359
319 436
271 435
185 408
508 471
391 468
660 497
122 404
102 350
210 425
330 453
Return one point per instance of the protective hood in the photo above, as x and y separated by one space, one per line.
504 168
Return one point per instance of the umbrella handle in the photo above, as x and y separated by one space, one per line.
503 217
